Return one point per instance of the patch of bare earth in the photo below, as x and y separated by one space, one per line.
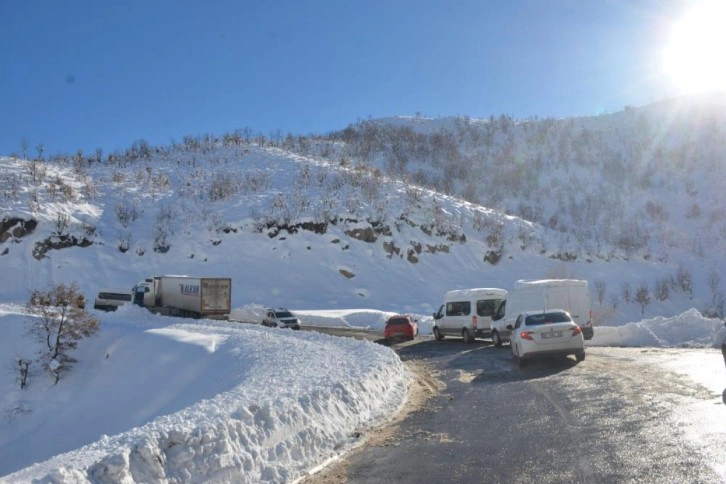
424 386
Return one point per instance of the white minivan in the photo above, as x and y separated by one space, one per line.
469 313
571 295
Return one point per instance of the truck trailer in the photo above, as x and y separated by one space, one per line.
191 297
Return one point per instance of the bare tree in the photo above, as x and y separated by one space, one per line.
642 297
662 289
684 280
57 319
714 279
627 292
600 288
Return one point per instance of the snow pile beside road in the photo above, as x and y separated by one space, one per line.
687 330
275 403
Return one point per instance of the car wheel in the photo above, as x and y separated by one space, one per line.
724 396
437 334
521 362
516 358
496 339
580 356
466 336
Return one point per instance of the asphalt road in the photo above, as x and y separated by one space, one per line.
612 418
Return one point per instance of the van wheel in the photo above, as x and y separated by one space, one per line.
580 356
466 336
496 339
437 334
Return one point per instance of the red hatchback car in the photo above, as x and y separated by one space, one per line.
400 326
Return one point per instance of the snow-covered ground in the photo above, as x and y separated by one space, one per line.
155 398
165 399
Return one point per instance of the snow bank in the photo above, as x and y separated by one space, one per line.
687 330
274 403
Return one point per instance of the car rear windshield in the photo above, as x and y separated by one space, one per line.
398 321
547 318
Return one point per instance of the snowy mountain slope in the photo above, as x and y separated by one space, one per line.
279 222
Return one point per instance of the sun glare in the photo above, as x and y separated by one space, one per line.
695 57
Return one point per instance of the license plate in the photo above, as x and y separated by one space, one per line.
552 334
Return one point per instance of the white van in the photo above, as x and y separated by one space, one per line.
111 299
571 295
469 313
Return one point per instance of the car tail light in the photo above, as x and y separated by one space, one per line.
576 330
526 335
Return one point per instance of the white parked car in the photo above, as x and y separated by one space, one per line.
280 318
545 333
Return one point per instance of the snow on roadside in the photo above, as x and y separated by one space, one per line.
326 390
687 330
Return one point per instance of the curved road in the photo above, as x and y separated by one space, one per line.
619 416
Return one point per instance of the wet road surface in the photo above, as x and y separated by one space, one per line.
622 415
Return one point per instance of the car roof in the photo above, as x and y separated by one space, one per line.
548 311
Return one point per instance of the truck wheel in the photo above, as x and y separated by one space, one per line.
496 339
466 336
437 334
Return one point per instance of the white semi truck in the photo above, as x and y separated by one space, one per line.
192 297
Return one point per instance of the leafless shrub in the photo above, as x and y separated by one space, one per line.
62 223
126 213
662 289
280 209
57 319
223 187
656 210
37 171
693 212
256 181
163 230
124 241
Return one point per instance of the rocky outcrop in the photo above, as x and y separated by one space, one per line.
57 242
16 227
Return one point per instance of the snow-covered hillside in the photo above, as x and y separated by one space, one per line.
279 222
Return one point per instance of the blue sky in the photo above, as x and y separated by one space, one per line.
102 74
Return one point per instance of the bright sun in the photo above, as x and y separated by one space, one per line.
695 57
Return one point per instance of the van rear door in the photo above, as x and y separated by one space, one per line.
573 299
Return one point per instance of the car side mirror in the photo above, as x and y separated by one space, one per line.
509 327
